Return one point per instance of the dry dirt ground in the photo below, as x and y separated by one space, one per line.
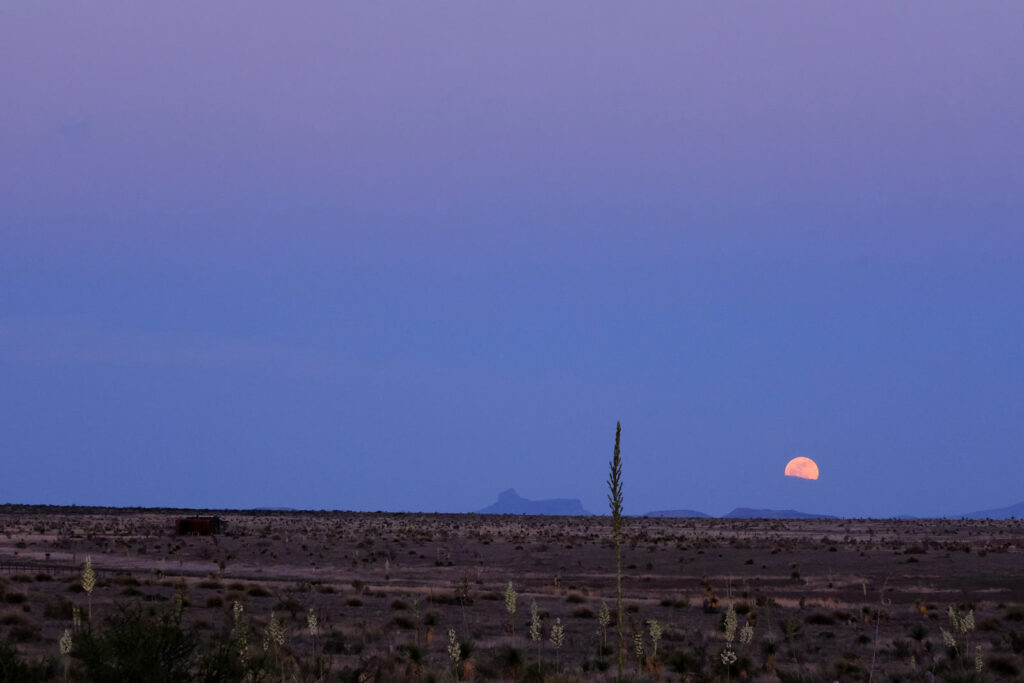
827 599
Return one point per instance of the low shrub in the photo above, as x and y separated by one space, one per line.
404 623
1004 665
820 619
138 645
14 668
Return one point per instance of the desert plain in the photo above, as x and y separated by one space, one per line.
378 596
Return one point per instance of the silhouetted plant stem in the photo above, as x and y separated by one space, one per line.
615 502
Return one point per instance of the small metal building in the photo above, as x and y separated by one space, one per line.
198 526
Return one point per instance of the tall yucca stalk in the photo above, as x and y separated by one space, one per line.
66 644
615 502
557 639
535 628
88 582
510 607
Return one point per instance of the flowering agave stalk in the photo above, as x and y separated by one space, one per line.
239 636
313 625
179 605
275 631
557 639
88 582
638 646
728 659
963 624
731 623
274 635
65 650
535 628
510 607
728 654
454 652
615 503
656 632
604 618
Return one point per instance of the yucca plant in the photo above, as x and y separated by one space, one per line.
274 637
656 633
728 655
958 643
604 618
535 628
65 650
239 631
313 626
557 639
88 582
510 607
639 652
454 652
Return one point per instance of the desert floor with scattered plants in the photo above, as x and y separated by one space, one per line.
334 596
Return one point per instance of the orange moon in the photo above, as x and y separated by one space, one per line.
802 467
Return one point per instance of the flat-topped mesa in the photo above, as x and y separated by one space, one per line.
511 503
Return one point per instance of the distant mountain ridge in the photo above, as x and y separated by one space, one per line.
676 513
741 513
511 503
1007 512
751 513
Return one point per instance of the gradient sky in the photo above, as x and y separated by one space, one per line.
403 256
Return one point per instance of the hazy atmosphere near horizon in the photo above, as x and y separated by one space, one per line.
403 256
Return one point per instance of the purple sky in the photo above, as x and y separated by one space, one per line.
406 255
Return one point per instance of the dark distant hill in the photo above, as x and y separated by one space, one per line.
999 513
511 503
750 513
676 513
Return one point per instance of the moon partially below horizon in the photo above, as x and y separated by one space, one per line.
803 468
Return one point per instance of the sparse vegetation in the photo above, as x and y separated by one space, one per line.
843 620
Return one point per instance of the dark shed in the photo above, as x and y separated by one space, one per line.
197 526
